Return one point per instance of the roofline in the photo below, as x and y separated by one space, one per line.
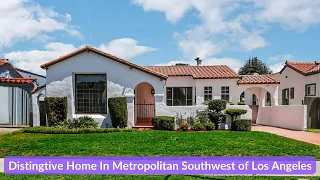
300 72
38 88
6 61
91 49
25 71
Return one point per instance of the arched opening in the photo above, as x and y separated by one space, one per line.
144 104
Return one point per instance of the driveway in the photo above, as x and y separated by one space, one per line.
308 137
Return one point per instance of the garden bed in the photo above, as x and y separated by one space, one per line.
59 130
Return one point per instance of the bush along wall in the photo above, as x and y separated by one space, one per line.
56 109
118 111
241 125
163 123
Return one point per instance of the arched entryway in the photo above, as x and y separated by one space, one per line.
144 104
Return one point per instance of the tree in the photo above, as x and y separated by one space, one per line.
254 65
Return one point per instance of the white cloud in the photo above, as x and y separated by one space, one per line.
216 31
25 19
125 48
291 14
31 60
233 25
276 67
278 58
276 63
252 42
174 9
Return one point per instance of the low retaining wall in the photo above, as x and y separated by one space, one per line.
289 117
191 111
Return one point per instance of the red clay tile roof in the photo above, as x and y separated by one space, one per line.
197 72
88 48
257 79
17 80
6 62
304 68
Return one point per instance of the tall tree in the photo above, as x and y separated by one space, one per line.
254 65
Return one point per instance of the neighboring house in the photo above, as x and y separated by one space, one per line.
15 93
298 80
88 77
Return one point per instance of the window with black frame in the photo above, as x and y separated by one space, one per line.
225 93
179 96
208 93
91 93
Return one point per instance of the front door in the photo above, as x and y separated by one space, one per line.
144 104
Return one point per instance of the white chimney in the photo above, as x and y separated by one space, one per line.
256 74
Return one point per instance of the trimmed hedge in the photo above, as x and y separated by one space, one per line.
241 125
163 123
81 122
235 112
56 109
118 111
56 130
217 105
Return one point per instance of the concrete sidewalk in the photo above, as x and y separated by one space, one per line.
309 137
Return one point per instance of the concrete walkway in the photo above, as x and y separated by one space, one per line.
6 130
308 137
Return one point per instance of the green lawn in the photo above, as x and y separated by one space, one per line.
151 143
314 130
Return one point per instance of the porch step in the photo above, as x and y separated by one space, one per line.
143 126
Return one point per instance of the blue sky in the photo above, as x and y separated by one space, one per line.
162 32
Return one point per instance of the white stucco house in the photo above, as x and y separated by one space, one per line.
298 80
88 77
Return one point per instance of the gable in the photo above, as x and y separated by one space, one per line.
7 67
106 55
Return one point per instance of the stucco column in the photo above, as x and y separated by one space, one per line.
261 99
35 109
159 101
130 108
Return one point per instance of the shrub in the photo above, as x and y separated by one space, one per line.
241 125
190 120
56 109
209 126
118 111
217 119
163 123
202 118
198 126
216 106
56 130
241 103
235 112
179 119
184 126
81 122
